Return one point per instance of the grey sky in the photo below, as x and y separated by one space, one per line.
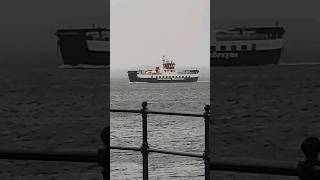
144 30
29 26
265 9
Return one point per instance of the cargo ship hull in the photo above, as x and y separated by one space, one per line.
248 46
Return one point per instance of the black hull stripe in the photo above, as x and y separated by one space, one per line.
245 58
134 78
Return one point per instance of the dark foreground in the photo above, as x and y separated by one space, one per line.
44 108
264 113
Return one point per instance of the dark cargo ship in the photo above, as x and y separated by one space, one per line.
249 46
89 46
166 74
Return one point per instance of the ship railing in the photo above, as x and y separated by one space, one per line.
307 170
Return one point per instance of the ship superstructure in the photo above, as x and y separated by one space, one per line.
247 46
89 46
165 74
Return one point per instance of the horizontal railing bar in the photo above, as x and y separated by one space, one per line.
158 112
158 151
176 153
125 110
70 156
125 148
255 166
176 114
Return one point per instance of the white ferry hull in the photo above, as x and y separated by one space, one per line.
133 77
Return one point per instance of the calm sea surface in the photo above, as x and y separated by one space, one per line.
165 132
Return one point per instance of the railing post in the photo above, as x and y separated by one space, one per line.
206 154
145 146
309 168
104 153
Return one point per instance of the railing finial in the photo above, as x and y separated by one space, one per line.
105 136
206 154
104 153
309 169
144 105
311 148
207 108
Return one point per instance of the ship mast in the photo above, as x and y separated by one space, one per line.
163 61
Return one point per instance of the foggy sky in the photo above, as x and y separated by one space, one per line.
265 9
29 26
144 30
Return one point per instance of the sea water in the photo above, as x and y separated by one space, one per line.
173 133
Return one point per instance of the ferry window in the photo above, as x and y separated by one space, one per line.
244 47
223 48
151 76
179 76
233 48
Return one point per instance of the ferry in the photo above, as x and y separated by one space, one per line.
89 46
165 74
247 46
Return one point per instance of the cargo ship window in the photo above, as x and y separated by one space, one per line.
222 48
244 47
233 48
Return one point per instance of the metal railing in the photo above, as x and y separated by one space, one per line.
309 169
145 150
100 157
